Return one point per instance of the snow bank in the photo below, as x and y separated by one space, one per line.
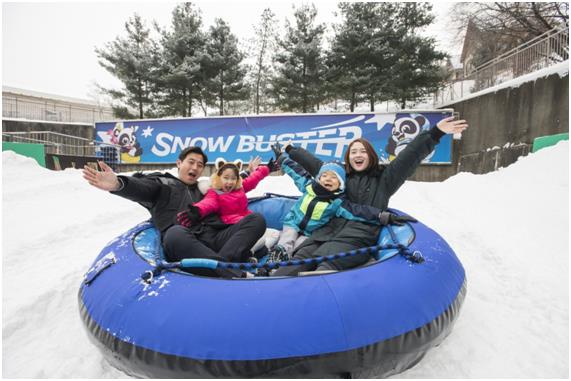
509 228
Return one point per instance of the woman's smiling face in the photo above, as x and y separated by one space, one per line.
358 157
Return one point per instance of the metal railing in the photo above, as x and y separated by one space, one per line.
61 144
550 48
23 107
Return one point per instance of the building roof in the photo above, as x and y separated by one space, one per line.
471 31
38 94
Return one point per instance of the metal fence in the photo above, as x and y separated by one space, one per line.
61 144
15 106
550 48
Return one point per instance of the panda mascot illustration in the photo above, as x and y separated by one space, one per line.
404 131
125 138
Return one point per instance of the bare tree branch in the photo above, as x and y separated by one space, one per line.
535 8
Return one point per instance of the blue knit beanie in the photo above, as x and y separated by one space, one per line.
337 168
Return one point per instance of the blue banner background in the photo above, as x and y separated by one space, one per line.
325 135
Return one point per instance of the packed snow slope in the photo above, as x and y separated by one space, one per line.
509 228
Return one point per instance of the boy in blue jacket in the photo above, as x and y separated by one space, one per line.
322 199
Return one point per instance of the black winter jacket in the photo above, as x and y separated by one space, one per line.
164 196
374 187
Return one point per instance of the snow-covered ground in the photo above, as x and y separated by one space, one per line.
510 229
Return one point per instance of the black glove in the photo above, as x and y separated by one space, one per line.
388 218
273 165
277 148
189 216
288 148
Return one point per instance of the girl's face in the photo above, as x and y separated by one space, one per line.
228 179
358 157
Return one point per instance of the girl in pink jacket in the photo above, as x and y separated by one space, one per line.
227 195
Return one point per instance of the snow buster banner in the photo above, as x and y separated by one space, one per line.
325 135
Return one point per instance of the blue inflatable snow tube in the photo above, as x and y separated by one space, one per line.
373 321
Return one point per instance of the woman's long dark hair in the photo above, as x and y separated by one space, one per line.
373 157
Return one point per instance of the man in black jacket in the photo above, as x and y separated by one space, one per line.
165 195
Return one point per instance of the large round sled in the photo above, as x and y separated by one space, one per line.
372 321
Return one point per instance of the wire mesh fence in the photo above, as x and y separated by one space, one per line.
546 50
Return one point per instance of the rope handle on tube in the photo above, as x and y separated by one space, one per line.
413 256
161 265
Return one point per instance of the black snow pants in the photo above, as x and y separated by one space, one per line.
229 244
315 249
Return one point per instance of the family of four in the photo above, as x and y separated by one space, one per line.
342 207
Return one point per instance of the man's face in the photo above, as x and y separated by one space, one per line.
190 169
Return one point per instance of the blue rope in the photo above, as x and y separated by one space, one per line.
413 256
296 262
213 264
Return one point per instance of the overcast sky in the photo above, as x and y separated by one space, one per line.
49 47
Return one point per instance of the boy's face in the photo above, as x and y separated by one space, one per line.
329 181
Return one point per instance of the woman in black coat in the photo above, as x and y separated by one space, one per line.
367 183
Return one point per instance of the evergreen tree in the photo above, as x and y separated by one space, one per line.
345 70
413 16
300 63
132 60
222 65
376 54
362 52
417 71
181 72
264 44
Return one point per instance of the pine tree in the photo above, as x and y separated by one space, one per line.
300 63
222 65
362 52
417 71
181 72
132 60
264 44
376 54
345 69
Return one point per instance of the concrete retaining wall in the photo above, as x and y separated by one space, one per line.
503 125
516 115
511 117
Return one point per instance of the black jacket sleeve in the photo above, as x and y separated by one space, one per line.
367 212
304 158
143 190
404 165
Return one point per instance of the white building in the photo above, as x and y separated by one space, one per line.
33 105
